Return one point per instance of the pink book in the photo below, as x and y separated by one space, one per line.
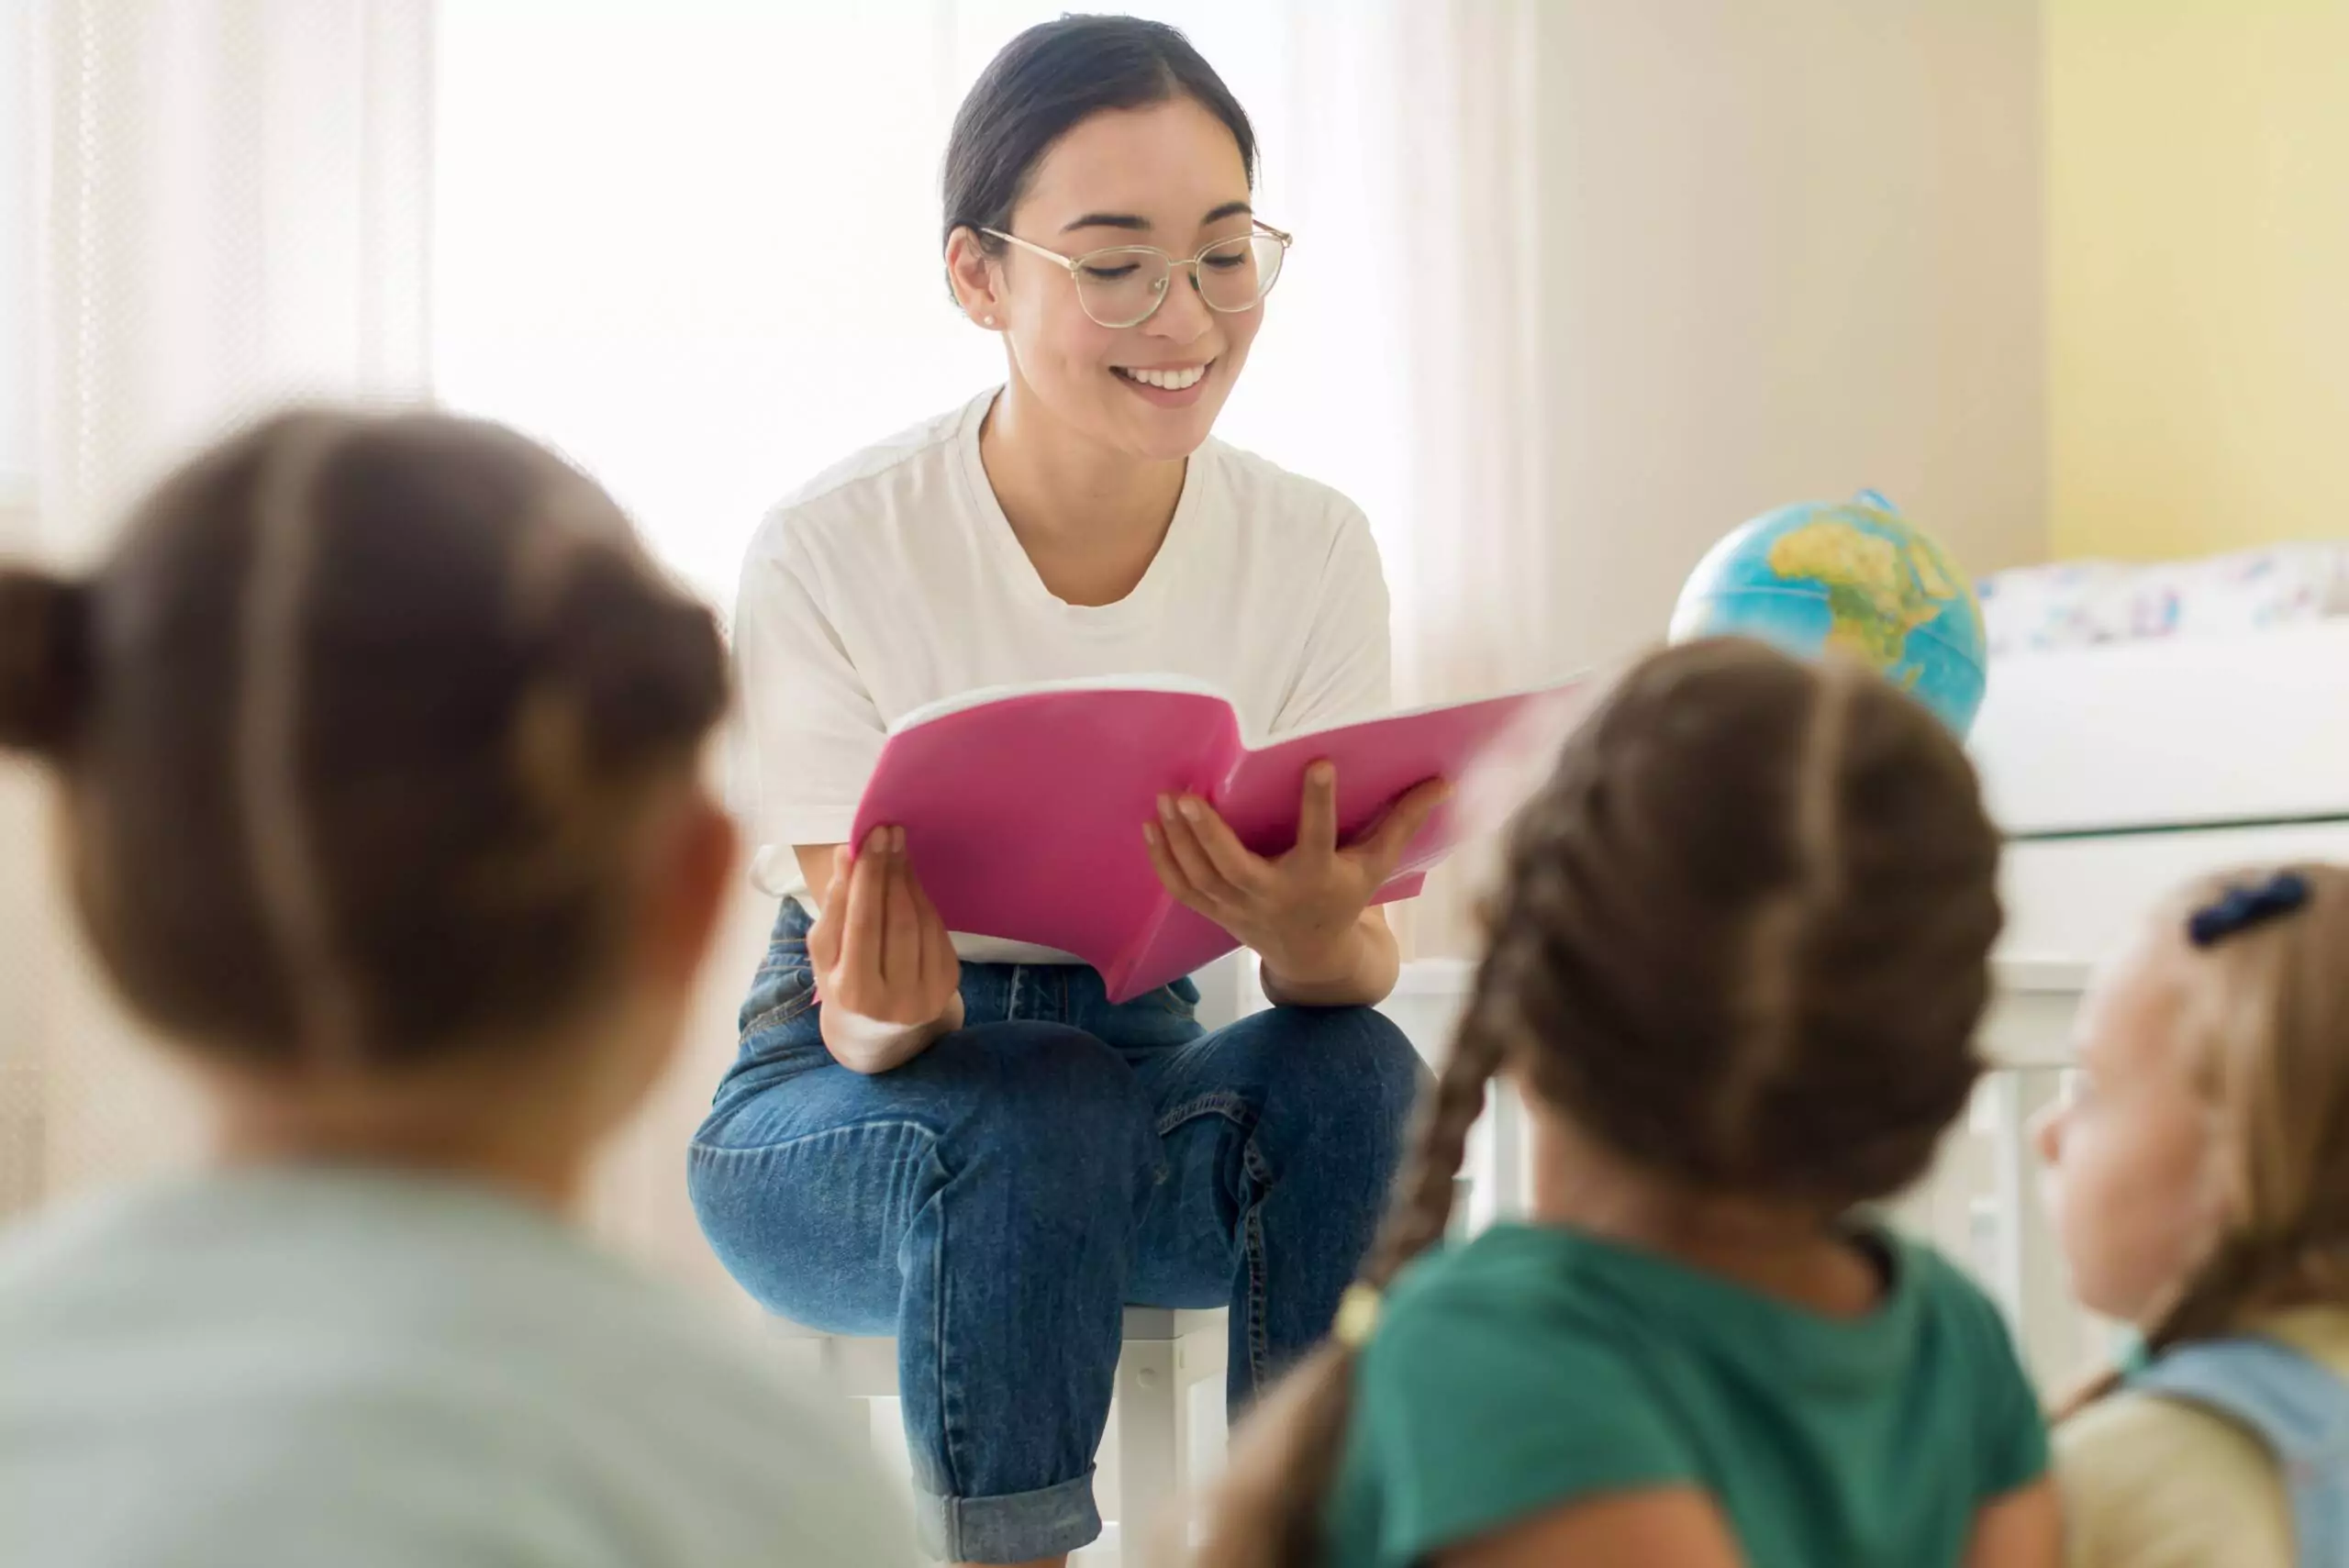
1023 807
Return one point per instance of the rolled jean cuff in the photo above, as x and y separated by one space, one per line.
1011 1529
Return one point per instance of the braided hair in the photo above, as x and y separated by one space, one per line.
1741 938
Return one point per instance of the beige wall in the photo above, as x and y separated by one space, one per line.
1793 250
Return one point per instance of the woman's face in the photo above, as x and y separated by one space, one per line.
1168 175
2130 1156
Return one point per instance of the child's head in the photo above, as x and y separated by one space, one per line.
378 745
1740 945
2201 1167
1742 937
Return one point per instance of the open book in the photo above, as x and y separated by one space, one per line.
1023 807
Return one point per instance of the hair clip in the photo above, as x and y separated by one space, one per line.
2240 908
1357 1316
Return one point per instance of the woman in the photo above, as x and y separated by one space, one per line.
966 1145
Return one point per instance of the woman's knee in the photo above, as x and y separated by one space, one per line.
1057 1104
1384 1057
1351 1066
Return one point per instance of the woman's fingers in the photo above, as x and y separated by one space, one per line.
1317 815
1210 854
866 908
824 936
1383 850
939 968
901 953
1170 871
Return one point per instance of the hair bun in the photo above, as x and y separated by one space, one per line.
44 658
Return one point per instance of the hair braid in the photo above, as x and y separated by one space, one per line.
1741 941
1268 1511
1428 1184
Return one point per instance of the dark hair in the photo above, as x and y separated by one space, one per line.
354 734
1047 79
1742 940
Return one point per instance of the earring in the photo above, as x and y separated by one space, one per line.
986 320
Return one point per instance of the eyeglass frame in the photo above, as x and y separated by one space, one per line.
1173 264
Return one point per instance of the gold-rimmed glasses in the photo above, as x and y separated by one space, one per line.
1123 286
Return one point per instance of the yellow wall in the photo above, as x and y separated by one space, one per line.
2198 218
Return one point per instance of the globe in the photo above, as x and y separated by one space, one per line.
1854 577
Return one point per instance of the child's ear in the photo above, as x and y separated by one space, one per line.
690 891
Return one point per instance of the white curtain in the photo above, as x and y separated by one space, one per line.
229 206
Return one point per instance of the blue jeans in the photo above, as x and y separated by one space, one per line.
996 1202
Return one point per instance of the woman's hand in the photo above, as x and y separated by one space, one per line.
1302 913
885 969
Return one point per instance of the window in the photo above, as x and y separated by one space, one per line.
695 243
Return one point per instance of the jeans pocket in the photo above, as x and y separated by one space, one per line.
1181 998
785 953
782 997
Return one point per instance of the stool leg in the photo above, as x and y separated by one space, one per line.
1149 1444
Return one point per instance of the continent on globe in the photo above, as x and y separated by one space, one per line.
1853 579
1879 588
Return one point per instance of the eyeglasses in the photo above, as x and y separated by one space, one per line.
1125 284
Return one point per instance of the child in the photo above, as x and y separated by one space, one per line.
2199 1181
1737 959
376 746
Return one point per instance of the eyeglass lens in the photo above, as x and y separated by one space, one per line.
1122 287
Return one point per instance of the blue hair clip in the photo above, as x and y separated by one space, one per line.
2240 908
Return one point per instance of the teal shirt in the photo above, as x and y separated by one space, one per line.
1535 1366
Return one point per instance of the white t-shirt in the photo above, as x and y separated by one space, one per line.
895 580
283 1369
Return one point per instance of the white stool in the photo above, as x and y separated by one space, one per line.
1168 1353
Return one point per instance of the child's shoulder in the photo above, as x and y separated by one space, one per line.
2146 1478
413 1354
2166 1461
1959 1344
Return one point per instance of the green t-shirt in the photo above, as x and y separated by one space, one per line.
1533 1366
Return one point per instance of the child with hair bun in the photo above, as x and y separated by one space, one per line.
376 752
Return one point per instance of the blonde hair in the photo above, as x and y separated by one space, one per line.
2264 1012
